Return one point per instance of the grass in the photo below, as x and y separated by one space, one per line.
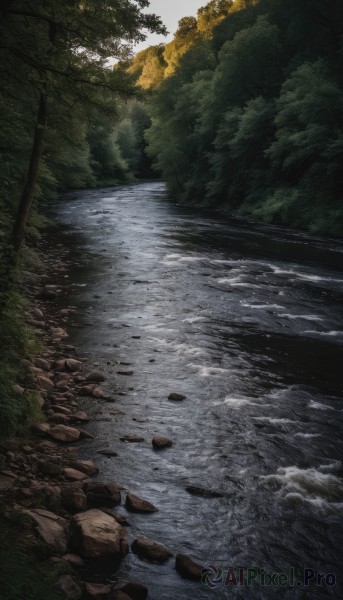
22 575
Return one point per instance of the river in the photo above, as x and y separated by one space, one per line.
246 321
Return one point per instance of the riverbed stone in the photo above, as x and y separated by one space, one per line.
85 466
97 591
69 587
73 497
51 528
107 452
135 504
160 442
176 397
64 433
102 494
150 551
131 589
96 534
133 438
44 383
187 567
74 474
203 492
95 376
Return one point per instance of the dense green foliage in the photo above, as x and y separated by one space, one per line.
247 115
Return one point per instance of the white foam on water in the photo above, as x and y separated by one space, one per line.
261 306
274 421
316 485
193 319
325 333
181 348
320 406
237 403
229 280
205 371
306 317
307 435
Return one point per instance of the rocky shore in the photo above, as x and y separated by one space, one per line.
68 517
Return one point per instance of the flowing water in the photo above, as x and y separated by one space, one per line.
246 321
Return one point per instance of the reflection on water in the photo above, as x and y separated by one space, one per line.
245 320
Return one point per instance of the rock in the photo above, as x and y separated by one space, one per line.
37 313
18 389
45 383
125 372
151 551
98 392
73 365
74 475
97 591
95 376
132 438
160 442
74 560
64 433
49 468
135 504
58 332
61 409
107 452
41 428
6 483
80 416
41 363
187 567
176 397
51 528
199 491
73 497
59 365
95 534
85 466
131 589
102 494
58 418
87 390
69 587
121 596
87 435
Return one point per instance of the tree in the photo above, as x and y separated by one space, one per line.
63 45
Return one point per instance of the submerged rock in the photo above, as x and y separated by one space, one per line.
151 551
176 397
160 442
205 493
135 504
132 438
187 567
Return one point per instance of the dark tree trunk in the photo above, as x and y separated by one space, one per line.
31 180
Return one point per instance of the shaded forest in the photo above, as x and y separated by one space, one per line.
247 110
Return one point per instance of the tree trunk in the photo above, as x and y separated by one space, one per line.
25 204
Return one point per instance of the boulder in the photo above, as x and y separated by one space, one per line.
187 567
85 466
69 587
102 494
51 528
79 416
58 332
107 452
205 493
74 475
130 589
125 372
96 534
37 313
176 397
64 433
45 383
135 504
73 497
160 442
41 363
151 551
73 365
95 376
132 438
74 560
97 591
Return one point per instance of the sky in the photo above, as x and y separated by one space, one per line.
170 11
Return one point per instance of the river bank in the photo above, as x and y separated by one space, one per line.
68 520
